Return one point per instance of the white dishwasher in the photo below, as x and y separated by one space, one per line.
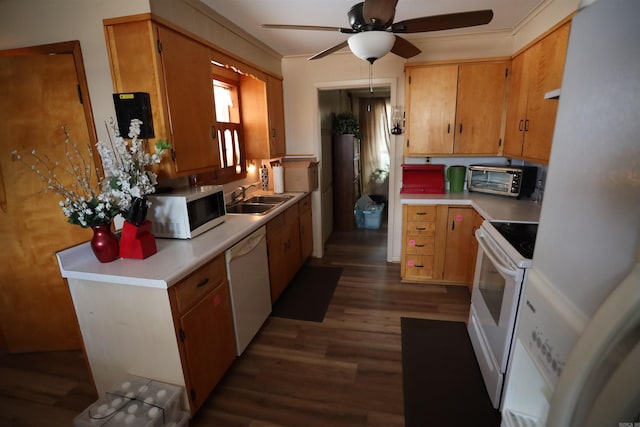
249 287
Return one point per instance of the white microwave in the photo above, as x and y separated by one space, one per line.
187 212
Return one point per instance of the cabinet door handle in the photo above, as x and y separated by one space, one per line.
520 125
460 127
273 132
453 225
526 125
214 132
202 282
448 127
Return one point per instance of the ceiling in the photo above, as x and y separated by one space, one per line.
250 14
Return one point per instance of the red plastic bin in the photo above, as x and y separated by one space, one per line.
422 179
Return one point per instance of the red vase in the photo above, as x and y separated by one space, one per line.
104 243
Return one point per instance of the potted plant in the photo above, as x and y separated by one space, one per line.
345 123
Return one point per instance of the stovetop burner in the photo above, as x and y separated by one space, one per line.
521 235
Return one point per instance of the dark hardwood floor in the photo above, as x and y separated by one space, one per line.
346 371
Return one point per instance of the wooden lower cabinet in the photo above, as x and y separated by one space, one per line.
289 244
437 243
204 328
306 228
458 244
283 247
182 335
418 233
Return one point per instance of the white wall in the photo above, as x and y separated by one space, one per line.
302 78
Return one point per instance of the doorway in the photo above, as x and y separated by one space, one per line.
355 167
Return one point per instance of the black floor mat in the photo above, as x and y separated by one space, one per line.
442 382
308 295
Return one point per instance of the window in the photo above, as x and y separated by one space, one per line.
228 127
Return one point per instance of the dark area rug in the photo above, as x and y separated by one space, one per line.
308 295
442 382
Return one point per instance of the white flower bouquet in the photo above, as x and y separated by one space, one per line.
127 177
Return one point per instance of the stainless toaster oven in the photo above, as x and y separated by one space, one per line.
512 181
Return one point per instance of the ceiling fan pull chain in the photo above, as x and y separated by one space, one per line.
370 86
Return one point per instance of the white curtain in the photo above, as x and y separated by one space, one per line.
374 126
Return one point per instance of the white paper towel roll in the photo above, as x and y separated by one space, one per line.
278 179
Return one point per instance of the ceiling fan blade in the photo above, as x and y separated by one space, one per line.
379 11
404 48
309 27
443 22
330 50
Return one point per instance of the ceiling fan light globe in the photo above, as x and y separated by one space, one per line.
371 45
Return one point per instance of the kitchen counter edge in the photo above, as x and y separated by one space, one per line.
175 258
495 208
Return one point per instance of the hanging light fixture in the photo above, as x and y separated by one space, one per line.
371 45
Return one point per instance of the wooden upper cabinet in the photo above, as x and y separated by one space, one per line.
262 116
189 88
530 117
480 106
455 109
275 102
431 104
176 72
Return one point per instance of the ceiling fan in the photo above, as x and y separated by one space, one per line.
374 34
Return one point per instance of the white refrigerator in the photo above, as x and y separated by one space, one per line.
578 331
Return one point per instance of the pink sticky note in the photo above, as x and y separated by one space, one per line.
459 218
410 263
412 242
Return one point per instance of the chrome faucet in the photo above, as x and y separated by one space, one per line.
243 192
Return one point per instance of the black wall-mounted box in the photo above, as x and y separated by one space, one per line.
134 105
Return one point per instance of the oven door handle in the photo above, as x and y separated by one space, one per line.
498 264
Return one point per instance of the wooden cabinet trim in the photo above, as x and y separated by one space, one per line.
410 65
533 42
235 59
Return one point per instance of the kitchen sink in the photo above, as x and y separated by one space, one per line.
250 208
257 205
268 199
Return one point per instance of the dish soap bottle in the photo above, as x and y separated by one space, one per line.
264 177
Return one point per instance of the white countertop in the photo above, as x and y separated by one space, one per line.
174 259
491 207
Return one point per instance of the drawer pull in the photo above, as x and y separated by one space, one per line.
421 228
419 266
421 213
202 282
419 246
